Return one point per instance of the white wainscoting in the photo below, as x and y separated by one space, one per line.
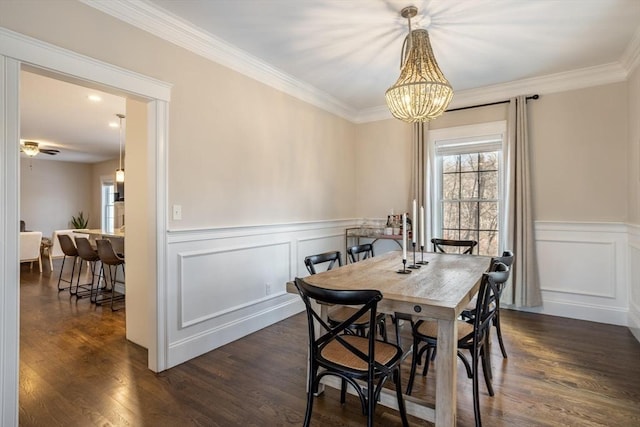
226 283
584 271
634 280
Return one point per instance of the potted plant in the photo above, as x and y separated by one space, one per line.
79 222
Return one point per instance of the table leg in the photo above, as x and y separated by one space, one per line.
446 370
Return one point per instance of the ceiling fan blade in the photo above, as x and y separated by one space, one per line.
49 151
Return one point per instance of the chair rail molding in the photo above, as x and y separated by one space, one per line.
583 270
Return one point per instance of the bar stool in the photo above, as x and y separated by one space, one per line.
87 253
109 258
69 250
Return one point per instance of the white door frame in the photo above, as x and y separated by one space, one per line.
17 50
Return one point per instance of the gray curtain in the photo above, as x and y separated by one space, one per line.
519 225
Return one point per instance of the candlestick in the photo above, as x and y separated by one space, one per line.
404 268
414 223
414 265
422 261
404 237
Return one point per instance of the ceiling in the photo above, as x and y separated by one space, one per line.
347 52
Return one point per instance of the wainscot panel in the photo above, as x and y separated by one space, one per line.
583 271
226 283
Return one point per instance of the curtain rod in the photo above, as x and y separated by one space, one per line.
536 96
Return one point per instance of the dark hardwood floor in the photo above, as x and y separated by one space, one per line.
77 369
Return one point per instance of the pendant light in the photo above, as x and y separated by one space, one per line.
421 93
120 170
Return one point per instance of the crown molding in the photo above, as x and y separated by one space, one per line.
153 20
150 18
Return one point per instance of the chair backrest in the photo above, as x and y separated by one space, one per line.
85 250
30 245
507 259
56 249
360 252
107 254
364 300
332 258
454 246
490 288
66 245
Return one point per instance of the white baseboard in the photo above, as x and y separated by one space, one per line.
592 313
210 339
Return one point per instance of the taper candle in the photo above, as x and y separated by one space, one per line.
422 226
414 222
404 236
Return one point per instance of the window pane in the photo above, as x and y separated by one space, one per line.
488 216
468 162
451 215
468 186
488 161
468 215
488 185
450 187
451 234
450 163
488 243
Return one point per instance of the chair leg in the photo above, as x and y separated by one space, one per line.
476 392
486 370
415 358
382 324
401 407
311 388
371 402
343 391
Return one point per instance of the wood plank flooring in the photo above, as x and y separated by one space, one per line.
77 369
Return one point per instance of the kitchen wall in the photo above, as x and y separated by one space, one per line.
51 192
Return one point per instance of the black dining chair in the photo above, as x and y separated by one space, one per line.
472 337
468 313
352 358
453 246
360 252
333 259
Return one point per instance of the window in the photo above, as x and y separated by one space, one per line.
468 177
108 190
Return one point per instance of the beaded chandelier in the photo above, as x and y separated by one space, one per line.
421 93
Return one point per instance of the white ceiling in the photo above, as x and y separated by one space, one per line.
348 51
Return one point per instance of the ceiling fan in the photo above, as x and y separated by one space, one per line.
31 149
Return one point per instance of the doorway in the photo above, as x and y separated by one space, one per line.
16 51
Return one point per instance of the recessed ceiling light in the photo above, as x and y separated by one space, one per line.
113 124
94 98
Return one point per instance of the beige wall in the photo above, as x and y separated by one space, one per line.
240 152
579 154
383 172
51 192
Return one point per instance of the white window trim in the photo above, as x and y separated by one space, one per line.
437 139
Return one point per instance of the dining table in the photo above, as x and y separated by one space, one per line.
440 289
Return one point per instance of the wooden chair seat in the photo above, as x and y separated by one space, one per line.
429 329
334 352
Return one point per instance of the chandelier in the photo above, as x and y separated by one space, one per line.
421 93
